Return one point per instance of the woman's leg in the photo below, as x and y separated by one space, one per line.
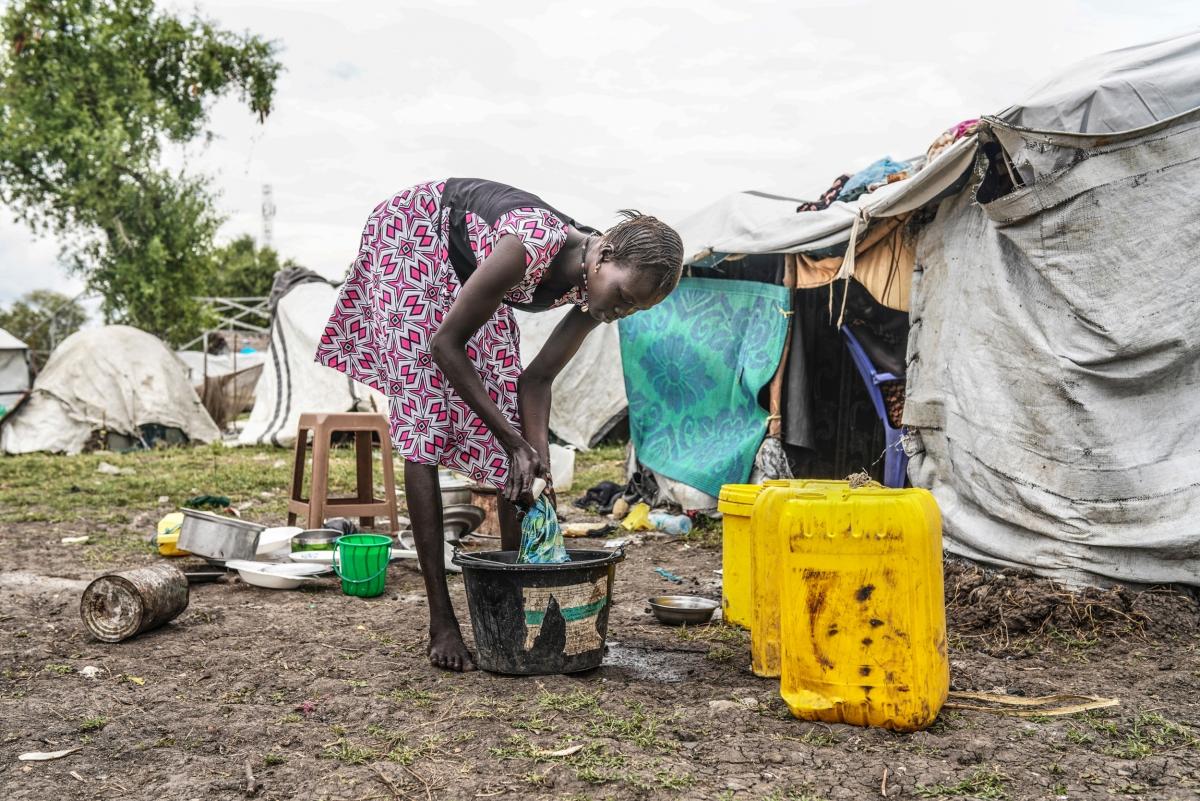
423 494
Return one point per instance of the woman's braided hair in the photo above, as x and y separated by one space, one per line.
649 244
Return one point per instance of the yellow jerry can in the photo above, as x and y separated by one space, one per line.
767 539
863 622
735 503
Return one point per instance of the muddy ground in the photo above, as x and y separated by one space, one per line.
254 693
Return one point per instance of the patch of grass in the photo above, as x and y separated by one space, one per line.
60 489
271 760
639 727
357 683
793 794
713 632
515 747
93 724
61 670
574 701
537 779
409 693
392 737
535 724
1079 736
292 717
720 653
602 463
706 532
668 780
983 783
429 745
947 721
239 696
345 751
1150 732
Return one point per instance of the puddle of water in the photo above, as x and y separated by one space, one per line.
650 664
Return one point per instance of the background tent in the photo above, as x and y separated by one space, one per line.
291 382
114 379
14 369
589 393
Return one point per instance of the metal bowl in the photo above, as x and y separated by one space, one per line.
675 610
315 539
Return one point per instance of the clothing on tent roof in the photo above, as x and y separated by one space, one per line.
884 261
401 286
694 365
877 172
949 137
827 197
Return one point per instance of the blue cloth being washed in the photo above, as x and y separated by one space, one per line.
541 536
693 367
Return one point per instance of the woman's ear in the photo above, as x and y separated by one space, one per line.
606 252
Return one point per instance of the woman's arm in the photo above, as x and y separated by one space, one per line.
533 396
475 304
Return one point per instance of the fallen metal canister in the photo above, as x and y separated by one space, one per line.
119 605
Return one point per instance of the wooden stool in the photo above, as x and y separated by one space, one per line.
365 505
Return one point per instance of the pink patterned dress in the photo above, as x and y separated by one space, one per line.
418 247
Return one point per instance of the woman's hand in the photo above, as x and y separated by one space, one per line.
524 465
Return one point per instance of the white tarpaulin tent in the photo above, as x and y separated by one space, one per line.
14 369
1054 356
115 378
589 393
292 383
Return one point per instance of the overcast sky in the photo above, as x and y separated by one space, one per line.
664 107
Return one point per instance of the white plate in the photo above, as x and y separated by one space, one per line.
326 557
313 557
271 540
285 576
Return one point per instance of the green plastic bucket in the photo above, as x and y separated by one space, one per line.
361 562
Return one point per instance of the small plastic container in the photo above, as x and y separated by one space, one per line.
677 525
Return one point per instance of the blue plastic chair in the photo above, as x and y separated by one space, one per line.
895 460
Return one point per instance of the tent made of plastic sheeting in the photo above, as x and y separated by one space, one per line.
589 393
14 369
115 378
217 365
292 383
1054 356
754 222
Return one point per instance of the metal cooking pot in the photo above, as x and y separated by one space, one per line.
315 539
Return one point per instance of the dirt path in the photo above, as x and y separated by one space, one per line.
314 695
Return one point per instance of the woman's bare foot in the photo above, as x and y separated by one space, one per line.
448 651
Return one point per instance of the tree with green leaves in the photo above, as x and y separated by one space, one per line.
41 319
245 270
90 90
